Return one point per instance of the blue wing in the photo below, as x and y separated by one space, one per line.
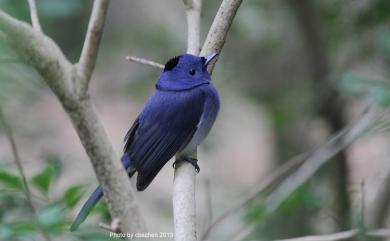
165 126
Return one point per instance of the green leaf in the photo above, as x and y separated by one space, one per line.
43 180
256 212
304 195
53 219
10 180
378 91
54 161
73 195
355 85
50 215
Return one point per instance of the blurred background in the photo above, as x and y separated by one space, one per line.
291 73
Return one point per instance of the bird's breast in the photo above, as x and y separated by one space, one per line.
209 114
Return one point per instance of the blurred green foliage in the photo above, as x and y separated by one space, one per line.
305 200
54 213
377 91
356 41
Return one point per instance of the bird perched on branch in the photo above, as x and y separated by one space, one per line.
175 120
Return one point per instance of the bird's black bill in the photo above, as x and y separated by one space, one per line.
209 58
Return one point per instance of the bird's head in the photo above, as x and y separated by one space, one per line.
185 72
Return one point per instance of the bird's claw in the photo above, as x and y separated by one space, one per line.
192 161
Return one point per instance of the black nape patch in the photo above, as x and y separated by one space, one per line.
171 63
203 59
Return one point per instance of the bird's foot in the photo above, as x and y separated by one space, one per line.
192 161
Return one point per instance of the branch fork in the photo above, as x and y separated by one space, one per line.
70 82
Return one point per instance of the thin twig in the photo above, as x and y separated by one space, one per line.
362 203
376 233
329 237
145 62
89 53
18 162
335 144
312 163
113 227
34 15
16 156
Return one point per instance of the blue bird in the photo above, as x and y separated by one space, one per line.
175 120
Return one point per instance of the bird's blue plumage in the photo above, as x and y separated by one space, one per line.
175 120
87 207
166 125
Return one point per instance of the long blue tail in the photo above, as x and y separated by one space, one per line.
87 207
98 194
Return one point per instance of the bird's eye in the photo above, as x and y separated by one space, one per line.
192 72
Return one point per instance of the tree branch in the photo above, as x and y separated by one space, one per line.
184 211
34 15
193 9
183 197
116 185
216 36
89 53
42 53
208 209
145 62
184 180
